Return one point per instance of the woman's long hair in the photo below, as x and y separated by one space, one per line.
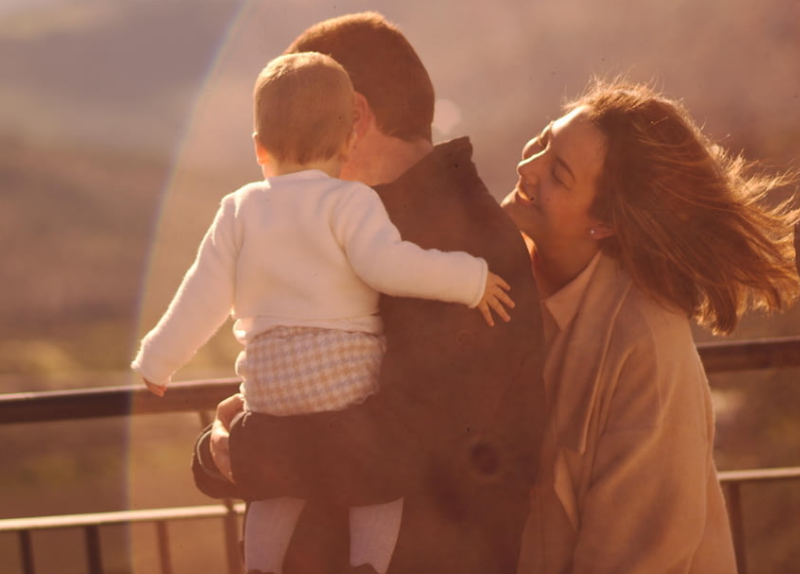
692 224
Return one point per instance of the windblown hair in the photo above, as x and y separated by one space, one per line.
693 225
384 68
303 107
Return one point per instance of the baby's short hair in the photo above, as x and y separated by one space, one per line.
303 107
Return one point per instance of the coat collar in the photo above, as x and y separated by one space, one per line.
595 314
564 303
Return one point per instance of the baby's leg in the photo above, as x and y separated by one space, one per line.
373 534
268 528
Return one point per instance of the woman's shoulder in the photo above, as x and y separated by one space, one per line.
646 319
658 372
633 316
655 338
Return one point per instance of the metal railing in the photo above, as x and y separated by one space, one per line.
198 397
202 396
732 481
91 523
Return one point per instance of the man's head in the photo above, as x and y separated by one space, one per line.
383 67
303 108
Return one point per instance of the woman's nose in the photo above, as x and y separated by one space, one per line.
526 169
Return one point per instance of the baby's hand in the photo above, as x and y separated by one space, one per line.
494 297
154 388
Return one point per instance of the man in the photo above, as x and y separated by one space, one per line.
456 426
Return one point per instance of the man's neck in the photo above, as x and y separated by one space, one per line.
382 159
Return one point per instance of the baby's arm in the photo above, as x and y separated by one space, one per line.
200 306
387 263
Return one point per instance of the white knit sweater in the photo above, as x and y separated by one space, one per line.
302 249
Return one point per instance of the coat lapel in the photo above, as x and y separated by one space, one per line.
590 334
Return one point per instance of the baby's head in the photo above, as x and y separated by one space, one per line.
303 108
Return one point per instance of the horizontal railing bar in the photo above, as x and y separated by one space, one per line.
220 510
760 474
118 517
772 353
191 396
204 395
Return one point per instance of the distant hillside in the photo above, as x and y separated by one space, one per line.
118 74
128 74
108 107
79 224
75 225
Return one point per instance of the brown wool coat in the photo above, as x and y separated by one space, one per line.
456 426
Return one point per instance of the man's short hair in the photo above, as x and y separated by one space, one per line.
303 107
383 67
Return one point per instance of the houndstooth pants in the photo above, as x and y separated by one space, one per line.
294 370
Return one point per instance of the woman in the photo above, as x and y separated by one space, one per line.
637 224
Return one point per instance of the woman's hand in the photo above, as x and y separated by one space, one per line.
494 297
220 433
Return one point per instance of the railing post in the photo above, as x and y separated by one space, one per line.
232 548
26 552
737 526
163 547
93 556
205 419
232 539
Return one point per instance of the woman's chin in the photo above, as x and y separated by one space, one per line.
519 209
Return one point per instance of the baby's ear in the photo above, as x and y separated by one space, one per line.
262 155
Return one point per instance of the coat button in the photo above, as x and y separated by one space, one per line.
484 459
465 339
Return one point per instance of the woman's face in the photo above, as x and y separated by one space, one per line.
557 184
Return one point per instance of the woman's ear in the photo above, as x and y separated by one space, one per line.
601 230
262 155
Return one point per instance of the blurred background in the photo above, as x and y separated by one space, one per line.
123 122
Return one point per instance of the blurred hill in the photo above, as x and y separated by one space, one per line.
109 74
127 74
123 123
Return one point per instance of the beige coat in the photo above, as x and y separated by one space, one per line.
629 483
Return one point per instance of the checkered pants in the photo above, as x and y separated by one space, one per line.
294 370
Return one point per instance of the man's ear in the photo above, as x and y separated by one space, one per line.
262 155
347 146
363 117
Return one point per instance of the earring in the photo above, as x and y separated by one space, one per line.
591 231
